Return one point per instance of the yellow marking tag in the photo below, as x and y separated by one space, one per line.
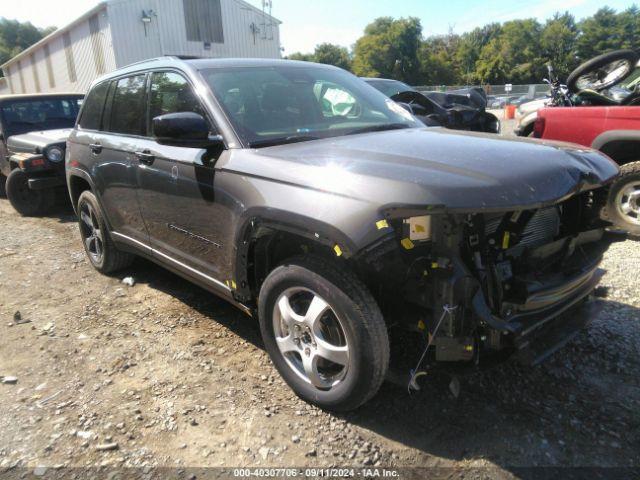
505 241
407 243
338 250
420 228
380 224
434 265
421 325
233 284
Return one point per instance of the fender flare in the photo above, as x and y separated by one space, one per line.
80 173
615 136
284 221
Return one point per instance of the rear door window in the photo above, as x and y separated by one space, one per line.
127 115
91 118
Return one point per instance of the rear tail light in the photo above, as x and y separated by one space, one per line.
538 127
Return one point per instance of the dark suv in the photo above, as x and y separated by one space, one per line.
33 135
306 197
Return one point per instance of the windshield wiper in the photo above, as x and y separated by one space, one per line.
268 142
379 128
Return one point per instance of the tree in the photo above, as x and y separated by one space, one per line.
558 43
16 37
389 48
304 57
629 27
599 34
469 48
331 54
438 60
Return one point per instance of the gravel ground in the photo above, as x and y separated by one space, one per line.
163 374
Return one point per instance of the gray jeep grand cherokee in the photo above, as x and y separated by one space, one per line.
304 196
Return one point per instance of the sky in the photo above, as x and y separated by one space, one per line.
309 22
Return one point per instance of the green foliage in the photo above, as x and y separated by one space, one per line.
16 37
516 51
303 57
389 48
333 55
326 53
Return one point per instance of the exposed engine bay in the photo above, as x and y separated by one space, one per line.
483 283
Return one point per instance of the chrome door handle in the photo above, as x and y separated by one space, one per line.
95 148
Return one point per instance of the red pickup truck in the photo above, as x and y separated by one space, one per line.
614 130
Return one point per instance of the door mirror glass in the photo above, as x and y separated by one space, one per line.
187 129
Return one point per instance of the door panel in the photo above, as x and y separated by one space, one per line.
116 165
116 171
179 204
181 207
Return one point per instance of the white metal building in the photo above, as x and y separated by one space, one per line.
116 33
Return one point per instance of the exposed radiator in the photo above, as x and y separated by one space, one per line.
541 229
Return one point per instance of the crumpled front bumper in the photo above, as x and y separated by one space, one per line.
536 345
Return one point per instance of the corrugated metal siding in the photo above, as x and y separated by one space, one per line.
116 36
9 80
34 71
23 87
47 58
167 32
69 62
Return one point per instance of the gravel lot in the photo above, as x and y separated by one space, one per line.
163 374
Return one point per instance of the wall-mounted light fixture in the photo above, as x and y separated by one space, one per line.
147 16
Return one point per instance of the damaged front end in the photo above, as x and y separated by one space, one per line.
508 281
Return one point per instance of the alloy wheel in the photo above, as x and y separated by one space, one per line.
311 338
91 233
628 202
605 76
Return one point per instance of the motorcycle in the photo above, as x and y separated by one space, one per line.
596 82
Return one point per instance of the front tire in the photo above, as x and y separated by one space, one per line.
27 202
324 333
623 203
100 249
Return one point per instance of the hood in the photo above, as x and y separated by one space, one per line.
435 167
35 142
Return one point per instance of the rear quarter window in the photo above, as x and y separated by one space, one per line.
91 117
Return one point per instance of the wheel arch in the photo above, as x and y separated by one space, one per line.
78 182
267 237
621 145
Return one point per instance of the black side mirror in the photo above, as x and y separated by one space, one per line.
184 129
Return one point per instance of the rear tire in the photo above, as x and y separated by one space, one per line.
623 202
336 359
27 202
96 239
591 69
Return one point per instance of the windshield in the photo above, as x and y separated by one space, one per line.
26 115
390 87
283 104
